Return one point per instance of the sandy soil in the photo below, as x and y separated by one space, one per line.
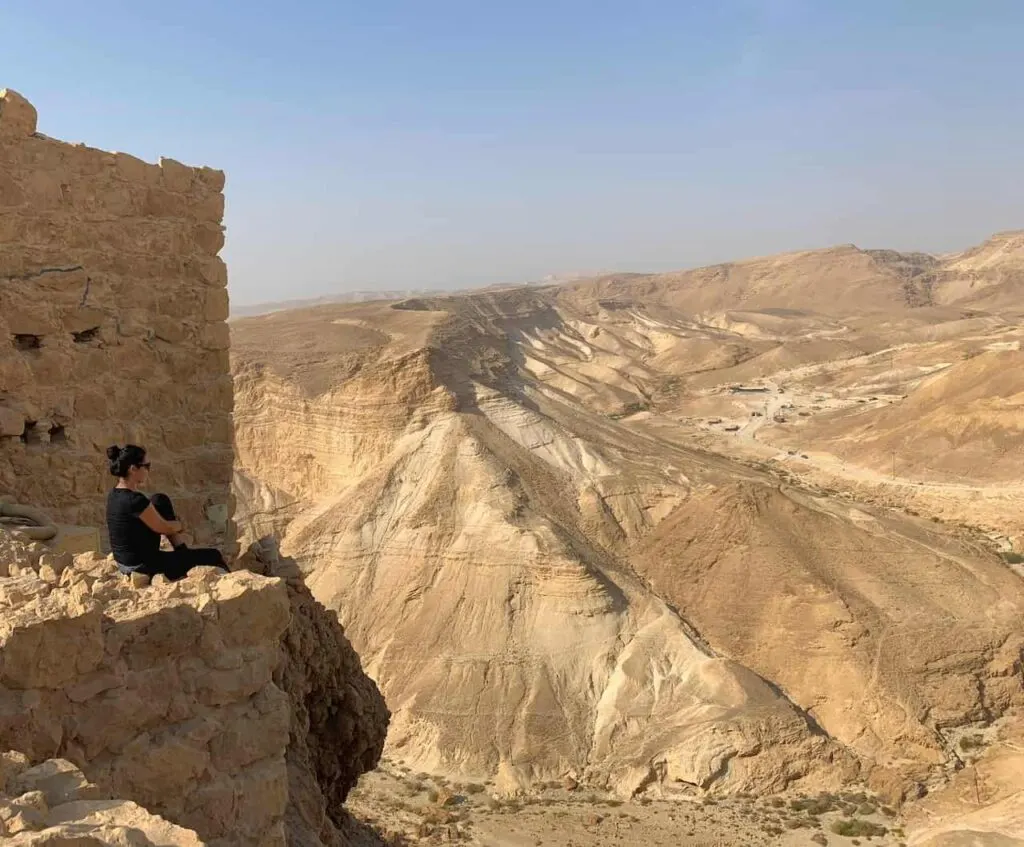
410 808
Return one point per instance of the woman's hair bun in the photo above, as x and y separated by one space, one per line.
122 458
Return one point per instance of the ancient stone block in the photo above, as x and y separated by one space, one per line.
58 780
212 808
135 170
216 306
10 192
17 115
34 656
262 795
161 203
38 322
209 237
212 270
176 176
168 329
156 638
211 209
215 336
250 609
251 739
12 422
213 179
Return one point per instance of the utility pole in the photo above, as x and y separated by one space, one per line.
894 465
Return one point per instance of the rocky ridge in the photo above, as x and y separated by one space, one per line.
549 579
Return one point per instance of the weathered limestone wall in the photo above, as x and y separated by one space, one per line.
231 705
54 804
164 696
113 308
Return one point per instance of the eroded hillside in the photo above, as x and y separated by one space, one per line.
563 541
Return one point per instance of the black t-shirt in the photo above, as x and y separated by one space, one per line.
131 541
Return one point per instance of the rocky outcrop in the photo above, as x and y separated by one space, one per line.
231 705
53 804
163 696
113 308
338 718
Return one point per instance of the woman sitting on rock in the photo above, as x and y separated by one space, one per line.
136 523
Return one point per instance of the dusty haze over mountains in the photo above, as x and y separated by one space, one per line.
745 528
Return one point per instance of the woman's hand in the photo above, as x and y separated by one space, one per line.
152 518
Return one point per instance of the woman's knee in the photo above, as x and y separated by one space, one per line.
162 503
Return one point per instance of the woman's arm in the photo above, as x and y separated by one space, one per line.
151 518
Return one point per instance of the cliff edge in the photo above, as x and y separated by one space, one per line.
229 705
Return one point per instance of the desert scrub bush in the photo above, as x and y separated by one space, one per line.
853 827
820 838
815 805
432 795
971 742
1013 558
866 809
474 788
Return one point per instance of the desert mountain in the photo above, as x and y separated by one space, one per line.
555 554
989 276
843 281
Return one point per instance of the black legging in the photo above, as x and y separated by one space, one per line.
178 562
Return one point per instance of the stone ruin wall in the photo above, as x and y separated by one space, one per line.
232 705
113 308
165 697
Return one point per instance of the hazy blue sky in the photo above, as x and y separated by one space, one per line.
435 143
